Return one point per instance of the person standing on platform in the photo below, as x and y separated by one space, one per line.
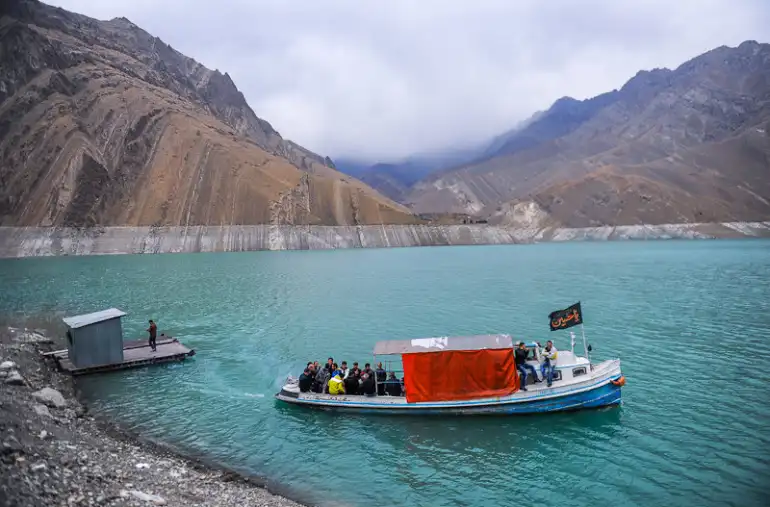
153 330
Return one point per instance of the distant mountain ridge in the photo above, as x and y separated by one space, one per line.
103 124
394 179
683 145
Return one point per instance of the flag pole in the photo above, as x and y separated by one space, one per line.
585 345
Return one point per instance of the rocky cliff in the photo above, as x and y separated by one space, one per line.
684 145
103 124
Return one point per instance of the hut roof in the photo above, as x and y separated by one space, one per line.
92 318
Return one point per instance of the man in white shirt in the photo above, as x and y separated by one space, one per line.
550 354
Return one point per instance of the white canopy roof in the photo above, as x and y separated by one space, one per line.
92 318
418 345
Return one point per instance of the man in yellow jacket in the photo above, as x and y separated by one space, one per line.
336 385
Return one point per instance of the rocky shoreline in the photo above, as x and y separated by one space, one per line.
54 241
54 452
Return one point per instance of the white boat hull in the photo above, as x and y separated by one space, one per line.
600 388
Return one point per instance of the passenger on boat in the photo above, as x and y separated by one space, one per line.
367 385
335 370
351 383
306 380
382 375
344 370
336 384
322 379
393 385
368 370
355 371
330 363
521 355
551 355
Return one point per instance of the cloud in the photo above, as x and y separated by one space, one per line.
381 80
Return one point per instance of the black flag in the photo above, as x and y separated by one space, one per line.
563 319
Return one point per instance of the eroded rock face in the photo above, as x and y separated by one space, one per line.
103 124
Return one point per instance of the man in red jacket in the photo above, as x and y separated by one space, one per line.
153 330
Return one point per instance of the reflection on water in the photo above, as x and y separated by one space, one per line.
687 433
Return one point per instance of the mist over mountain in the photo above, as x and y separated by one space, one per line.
683 145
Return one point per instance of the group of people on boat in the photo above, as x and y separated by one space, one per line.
332 378
549 355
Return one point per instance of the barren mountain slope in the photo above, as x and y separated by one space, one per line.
725 181
697 129
101 123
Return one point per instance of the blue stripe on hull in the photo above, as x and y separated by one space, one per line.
603 396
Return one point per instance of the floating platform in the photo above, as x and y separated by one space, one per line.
136 353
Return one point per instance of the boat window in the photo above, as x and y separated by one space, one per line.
578 371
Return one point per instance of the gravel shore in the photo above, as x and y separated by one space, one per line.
53 452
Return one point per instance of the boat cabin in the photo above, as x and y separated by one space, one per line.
454 367
468 366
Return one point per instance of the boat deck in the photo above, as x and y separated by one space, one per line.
136 353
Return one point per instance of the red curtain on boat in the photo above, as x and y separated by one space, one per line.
459 375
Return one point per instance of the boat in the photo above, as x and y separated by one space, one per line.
471 375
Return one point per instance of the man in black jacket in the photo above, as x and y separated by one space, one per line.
520 356
367 386
305 381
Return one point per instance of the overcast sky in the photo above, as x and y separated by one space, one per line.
383 79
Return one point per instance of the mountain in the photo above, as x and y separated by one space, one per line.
103 124
685 145
497 145
395 179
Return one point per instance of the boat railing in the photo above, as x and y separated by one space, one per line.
388 367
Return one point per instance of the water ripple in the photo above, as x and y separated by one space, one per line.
688 320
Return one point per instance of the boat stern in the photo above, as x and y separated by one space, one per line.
289 390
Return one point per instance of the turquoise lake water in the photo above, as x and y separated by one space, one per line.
690 321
